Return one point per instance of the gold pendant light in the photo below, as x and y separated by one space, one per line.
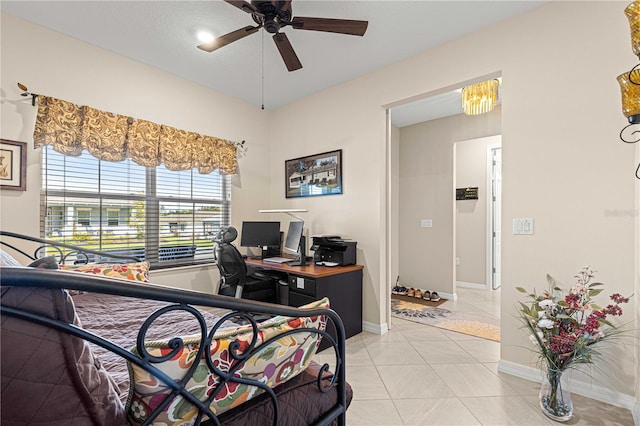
630 90
633 14
480 98
630 82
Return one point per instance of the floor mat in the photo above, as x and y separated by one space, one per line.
474 325
418 301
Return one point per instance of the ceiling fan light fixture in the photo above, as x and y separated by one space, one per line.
205 36
480 98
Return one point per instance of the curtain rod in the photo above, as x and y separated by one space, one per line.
25 92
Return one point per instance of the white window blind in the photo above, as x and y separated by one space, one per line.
155 214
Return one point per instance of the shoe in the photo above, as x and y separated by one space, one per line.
401 290
435 297
426 295
411 292
418 293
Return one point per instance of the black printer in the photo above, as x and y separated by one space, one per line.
333 251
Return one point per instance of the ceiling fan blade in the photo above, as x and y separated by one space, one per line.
283 5
340 26
286 51
222 41
242 5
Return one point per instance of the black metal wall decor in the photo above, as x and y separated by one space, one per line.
630 83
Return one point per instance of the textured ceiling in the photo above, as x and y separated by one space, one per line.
163 34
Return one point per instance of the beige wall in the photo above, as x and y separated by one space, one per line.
426 192
321 124
563 163
59 66
637 287
471 215
203 278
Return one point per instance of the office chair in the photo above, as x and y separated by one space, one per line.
234 279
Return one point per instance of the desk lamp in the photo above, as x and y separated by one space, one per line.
286 211
302 247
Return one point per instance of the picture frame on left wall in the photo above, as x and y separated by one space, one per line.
13 165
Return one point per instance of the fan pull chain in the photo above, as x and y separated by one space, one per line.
263 70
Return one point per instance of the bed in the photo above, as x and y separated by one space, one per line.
84 346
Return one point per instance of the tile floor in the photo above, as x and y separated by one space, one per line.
422 375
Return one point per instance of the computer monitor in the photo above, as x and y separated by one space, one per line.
265 235
295 242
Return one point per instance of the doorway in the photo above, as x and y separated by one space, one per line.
478 205
494 215
418 231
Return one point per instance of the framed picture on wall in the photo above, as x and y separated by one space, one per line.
13 165
319 174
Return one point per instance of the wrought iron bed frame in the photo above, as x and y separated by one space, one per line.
180 300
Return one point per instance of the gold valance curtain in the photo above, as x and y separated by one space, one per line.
70 128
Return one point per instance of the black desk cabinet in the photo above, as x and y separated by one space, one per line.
304 284
344 292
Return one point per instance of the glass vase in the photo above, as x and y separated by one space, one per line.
555 396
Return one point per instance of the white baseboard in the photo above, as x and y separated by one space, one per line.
477 286
448 296
590 390
375 328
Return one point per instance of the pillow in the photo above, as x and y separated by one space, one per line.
274 364
48 376
7 260
127 271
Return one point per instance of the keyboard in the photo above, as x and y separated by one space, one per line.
277 259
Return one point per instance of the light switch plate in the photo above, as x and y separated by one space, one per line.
523 226
426 223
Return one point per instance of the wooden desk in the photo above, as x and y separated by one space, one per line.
305 284
310 270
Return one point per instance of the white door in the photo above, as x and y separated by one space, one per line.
496 188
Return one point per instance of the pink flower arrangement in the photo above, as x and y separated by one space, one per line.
565 327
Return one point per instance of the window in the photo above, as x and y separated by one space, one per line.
113 217
162 216
177 227
83 216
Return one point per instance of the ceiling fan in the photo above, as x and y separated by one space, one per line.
275 15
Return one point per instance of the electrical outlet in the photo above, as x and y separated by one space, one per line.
457 261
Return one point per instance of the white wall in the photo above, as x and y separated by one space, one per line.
341 118
471 215
59 66
426 192
393 212
563 163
